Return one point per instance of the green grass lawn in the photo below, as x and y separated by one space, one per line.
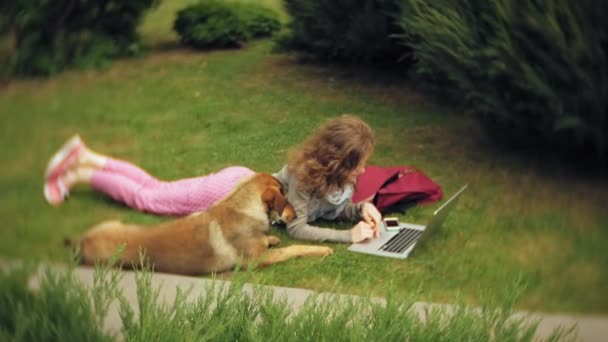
181 113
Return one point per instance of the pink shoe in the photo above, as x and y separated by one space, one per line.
63 158
55 191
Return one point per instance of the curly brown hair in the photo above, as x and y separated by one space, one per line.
324 162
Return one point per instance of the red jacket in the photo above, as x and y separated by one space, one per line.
395 187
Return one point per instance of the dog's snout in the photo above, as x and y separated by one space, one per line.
285 216
288 214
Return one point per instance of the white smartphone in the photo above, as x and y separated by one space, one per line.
391 224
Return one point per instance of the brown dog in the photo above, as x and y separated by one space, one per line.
231 232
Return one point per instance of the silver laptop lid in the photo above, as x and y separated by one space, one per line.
374 246
439 216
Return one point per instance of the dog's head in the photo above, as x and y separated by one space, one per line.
279 210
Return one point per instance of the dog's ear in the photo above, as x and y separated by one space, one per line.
274 199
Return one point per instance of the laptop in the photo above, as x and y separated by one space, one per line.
400 243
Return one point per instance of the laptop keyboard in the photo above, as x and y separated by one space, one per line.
402 241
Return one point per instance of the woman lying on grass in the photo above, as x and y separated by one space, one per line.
319 178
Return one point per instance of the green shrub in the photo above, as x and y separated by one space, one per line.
49 36
259 20
60 310
534 72
64 309
210 24
344 30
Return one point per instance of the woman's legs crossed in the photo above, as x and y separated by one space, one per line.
181 197
74 163
129 170
131 185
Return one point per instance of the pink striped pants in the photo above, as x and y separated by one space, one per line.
129 184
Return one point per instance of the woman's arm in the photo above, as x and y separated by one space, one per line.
299 227
365 211
301 230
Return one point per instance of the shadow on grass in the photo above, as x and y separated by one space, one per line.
542 160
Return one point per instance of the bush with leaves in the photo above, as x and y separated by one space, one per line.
260 21
49 36
534 72
344 30
213 23
210 23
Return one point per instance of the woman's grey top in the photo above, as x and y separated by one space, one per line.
336 205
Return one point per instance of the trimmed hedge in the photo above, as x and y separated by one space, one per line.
535 73
210 24
49 36
213 23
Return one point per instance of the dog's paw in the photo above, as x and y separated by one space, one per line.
322 251
273 240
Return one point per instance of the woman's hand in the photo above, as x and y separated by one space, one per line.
361 232
371 215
